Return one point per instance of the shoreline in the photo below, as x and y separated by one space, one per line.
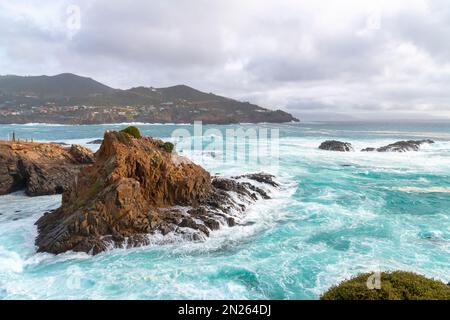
142 123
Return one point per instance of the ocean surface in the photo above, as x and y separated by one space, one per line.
335 215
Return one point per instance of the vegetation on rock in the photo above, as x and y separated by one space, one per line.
397 285
122 136
132 131
168 146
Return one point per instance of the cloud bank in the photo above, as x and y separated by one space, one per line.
343 59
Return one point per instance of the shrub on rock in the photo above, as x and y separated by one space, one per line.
168 146
398 285
132 131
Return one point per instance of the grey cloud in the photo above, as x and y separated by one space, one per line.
428 30
304 57
171 34
340 56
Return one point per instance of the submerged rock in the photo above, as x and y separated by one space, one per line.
333 145
136 193
40 168
401 146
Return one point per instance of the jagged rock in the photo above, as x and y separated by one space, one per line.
401 146
333 145
97 141
369 150
81 154
260 177
39 168
137 191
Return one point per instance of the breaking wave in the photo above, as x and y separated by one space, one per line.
336 215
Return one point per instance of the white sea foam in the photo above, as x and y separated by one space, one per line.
328 222
38 124
41 124
10 261
424 189
144 124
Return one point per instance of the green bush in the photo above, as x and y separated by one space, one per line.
168 146
398 285
122 136
132 131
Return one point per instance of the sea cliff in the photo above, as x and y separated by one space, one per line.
139 189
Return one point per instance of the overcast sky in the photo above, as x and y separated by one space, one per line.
316 59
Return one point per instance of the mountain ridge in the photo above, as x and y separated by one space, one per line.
71 99
48 86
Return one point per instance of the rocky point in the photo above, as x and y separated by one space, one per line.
40 168
401 146
139 191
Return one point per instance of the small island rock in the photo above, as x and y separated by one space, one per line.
333 145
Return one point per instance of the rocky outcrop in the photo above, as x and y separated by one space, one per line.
81 154
333 145
259 177
40 168
401 146
138 192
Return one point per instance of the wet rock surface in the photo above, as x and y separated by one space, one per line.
81 154
40 168
401 146
333 145
138 193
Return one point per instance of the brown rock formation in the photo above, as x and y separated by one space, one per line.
138 191
39 168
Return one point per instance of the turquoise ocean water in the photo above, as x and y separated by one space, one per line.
336 215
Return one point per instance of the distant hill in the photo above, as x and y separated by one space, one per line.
68 98
62 85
